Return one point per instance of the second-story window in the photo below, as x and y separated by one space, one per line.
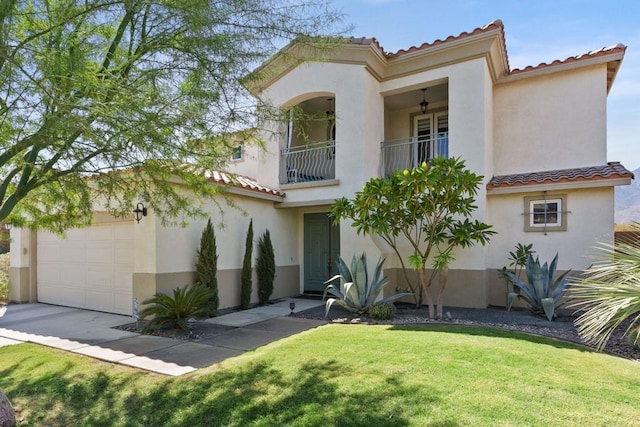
237 153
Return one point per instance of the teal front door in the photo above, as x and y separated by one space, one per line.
321 251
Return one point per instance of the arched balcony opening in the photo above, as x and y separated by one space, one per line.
308 151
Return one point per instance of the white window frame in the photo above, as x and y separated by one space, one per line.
556 220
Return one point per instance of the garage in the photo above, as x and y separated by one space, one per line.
91 268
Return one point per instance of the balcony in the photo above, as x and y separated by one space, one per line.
410 153
308 163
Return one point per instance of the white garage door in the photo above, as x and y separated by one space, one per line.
92 268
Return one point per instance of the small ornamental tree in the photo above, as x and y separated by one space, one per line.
265 268
246 284
133 93
428 207
207 266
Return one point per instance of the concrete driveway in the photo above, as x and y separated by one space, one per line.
91 333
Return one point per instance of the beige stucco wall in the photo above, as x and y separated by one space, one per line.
589 221
552 121
167 255
465 288
22 261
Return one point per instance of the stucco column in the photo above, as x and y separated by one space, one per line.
22 262
144 260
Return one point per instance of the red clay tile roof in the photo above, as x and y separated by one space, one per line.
495 25
611 170
619 48
243 182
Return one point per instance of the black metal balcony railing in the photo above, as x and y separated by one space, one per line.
308 163
409 153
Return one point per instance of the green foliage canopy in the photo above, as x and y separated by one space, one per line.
429 207
105 100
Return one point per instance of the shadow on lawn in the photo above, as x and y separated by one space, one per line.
251 393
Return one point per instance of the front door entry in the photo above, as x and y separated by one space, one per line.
321 251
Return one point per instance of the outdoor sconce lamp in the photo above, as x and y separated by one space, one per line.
140 211
424 103
292 306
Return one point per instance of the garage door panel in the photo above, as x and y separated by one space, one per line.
98 276
123 252
71 252
49 251
90 269
99 300
75 234
104 232
73 276
122 233
99 252
122 281
123 303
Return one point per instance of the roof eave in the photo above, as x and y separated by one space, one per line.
612 59
557 186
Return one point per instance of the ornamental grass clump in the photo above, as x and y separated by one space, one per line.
608 294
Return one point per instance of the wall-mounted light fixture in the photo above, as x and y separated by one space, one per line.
140 211
424 103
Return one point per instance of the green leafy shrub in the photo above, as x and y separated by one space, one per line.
173 311
265 267
609 293
246 283
4 277
207 267
356 293
541 292
382 311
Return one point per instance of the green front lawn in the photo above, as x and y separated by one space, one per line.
343 375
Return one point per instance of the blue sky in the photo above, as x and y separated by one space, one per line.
536 31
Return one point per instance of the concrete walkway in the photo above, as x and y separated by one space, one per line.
91 333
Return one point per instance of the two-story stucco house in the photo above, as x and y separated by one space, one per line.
537 135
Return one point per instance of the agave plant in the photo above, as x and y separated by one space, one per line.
540 291
355 292
173 311
609 293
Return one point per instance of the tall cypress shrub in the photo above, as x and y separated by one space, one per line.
245 277
265 268
207 266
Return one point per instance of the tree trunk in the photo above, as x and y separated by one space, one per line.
426 291
442 283
7 414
